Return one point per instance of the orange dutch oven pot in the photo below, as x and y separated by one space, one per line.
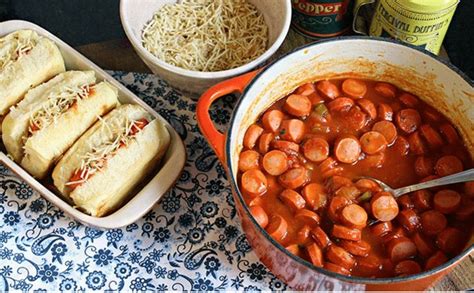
436 82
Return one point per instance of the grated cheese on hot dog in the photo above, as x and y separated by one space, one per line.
13 49
58 103
120 133
207 35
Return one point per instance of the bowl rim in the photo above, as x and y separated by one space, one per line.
144 53
236 190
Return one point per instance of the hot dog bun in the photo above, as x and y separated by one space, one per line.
52 116
124 160
26 60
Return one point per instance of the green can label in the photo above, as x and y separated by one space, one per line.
322 18
396 19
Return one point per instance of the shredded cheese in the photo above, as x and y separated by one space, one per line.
207 35
58 103
120 133
13 49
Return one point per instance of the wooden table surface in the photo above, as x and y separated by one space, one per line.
119 55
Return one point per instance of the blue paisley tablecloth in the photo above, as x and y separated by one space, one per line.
191 240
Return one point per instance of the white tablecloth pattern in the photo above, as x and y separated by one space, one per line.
191 240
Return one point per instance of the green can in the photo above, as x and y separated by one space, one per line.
422 23
322 18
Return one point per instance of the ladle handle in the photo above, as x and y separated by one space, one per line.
463 176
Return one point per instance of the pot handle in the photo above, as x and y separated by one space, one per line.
215 138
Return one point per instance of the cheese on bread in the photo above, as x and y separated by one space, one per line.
118 151
26 60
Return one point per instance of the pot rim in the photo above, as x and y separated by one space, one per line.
235 188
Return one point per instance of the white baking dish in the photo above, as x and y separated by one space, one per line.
171 164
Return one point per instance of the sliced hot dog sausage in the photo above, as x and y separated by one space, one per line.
286 146
424 166
433 222
275 162
292 199
369 266
367 185
384 206
451 240
400 249
405 202
304 235
373 142
449 133
320 237
431 115
308 217
272 119
385 112
341 104
355 119
359 248
277 228
294 178
396 233
343 232
431 136
297 105
335 206
466 211
387 129
374 161
259 215
424 246
294 249
422 199
469 188
447 201
335 182
328 89
248 160
401 145
336 269
408 100
264 142
252 135
306 89
436 260
409 220
407 268
254 182
354 88
316 149
381 229
386 90
292 130
350 192
339 255
315 254
417 146
354 216
327 165
408 120
315 195
347 149
368 107
448 165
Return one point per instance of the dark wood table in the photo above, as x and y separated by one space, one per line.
119 55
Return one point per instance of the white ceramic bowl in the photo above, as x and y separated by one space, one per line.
136 13
143 200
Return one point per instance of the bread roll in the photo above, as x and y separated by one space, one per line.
100 170
53 116
26 60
